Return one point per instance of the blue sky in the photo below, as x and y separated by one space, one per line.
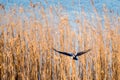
71 6
68 4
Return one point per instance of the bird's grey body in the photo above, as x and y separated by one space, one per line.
75 57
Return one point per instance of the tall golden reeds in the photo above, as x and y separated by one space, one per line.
26 44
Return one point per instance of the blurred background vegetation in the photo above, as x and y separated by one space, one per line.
27 36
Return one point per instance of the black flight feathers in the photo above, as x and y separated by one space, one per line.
71 54
65 53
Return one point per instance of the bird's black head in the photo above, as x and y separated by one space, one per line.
75 58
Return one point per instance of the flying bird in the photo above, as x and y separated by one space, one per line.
75 56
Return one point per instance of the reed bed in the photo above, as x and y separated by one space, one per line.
26 44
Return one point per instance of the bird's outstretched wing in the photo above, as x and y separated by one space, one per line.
65 53
82 52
